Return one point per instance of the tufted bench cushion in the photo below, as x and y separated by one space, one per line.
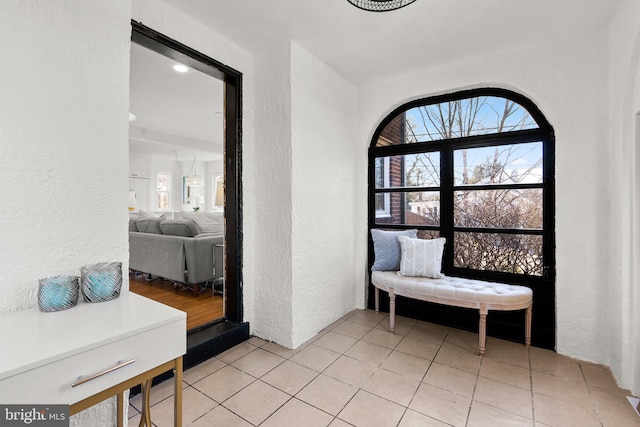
459 292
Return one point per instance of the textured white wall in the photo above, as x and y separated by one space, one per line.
305 122
273 198
324 107
63 136
624 136
567 80
62 124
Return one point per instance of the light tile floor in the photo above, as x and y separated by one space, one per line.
356 373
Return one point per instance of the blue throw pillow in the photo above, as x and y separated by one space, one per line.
386 248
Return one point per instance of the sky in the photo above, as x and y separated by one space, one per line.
522 163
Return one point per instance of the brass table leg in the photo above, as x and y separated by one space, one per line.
120 406
145 416
177 398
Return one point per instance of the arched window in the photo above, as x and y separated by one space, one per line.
475 167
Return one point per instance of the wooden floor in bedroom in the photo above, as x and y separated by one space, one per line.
200 309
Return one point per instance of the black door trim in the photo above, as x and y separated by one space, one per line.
232 79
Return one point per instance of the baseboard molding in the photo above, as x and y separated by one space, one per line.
208 342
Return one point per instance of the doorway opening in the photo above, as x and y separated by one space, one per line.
185 188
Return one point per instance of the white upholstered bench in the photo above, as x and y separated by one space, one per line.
458 292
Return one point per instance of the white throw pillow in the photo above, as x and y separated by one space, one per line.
421 257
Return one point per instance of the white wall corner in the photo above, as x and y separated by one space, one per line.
624 233
324 119
272 304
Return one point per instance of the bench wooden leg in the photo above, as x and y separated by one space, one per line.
377 297
392 309
483 329
527 326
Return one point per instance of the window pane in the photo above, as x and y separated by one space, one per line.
163 200
163 182
422 170
481 115
388 172
422 234
509 253
392 208
428 234
512 208
505 164
423 208
411 170
415 208
380 205
380 173
393 133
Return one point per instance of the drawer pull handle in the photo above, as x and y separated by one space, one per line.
83 379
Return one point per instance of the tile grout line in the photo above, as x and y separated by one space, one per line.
593 404
533 404
406 407
377 367
473 393
320 373
420 382
359 388
354 394
264 382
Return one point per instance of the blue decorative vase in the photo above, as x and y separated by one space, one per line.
58 293
101 282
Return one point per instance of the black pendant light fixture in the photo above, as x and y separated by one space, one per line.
380 5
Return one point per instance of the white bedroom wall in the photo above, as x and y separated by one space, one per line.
63 134
324 107
567 79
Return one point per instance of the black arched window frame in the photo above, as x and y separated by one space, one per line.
543 285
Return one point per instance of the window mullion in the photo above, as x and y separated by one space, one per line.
446 206
548 210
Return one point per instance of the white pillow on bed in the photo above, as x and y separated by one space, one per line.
421 257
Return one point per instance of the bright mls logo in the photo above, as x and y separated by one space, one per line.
34 415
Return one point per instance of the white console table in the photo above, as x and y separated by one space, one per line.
91 352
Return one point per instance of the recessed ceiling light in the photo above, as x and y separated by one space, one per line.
181 68
132 117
